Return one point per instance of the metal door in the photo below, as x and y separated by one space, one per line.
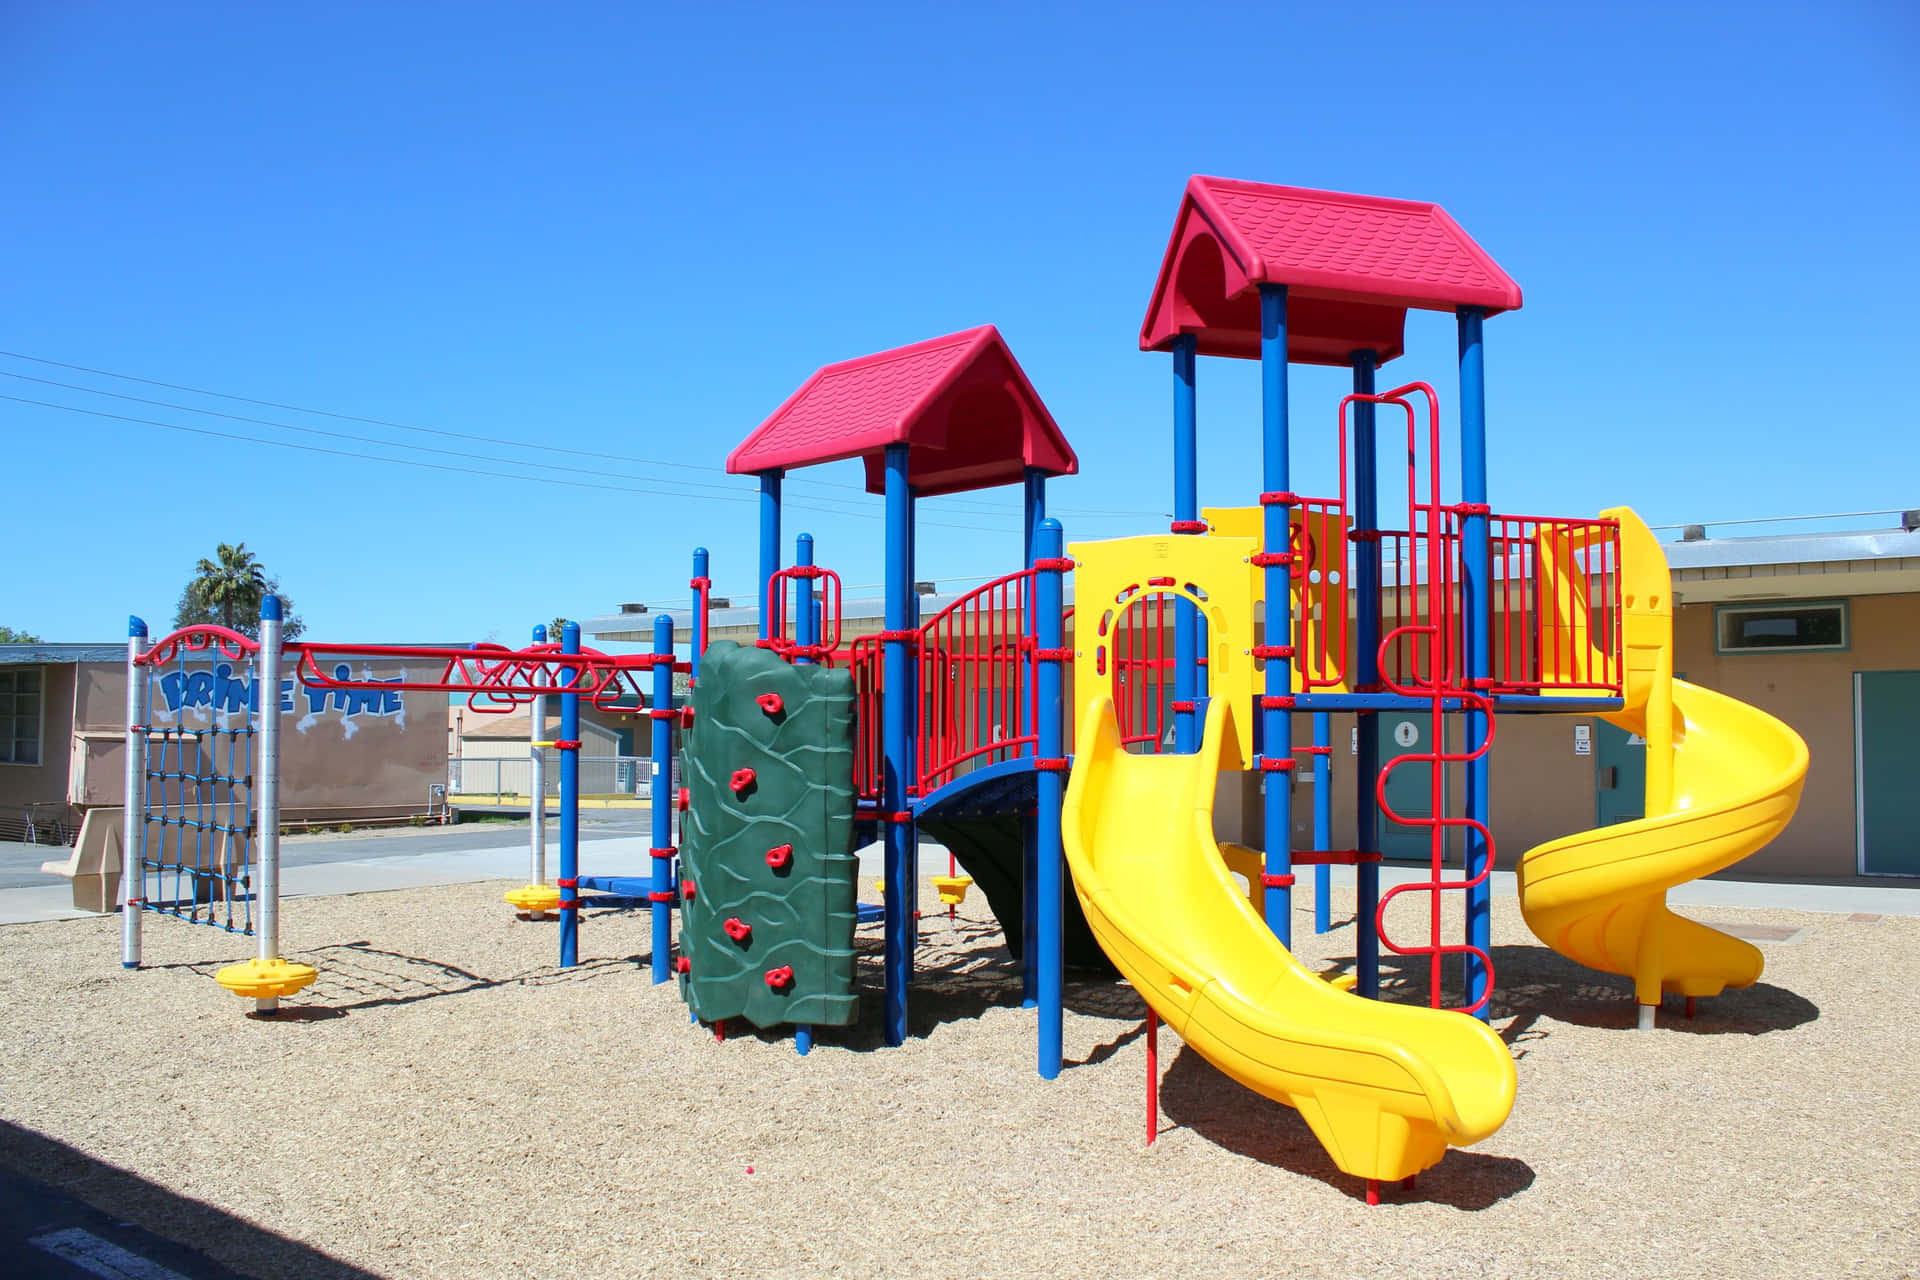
1619 775
1886 771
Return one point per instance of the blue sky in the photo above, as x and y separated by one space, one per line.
630 231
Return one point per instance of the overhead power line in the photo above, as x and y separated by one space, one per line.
804 505
504 441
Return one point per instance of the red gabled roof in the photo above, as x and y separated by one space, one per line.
1352 266
962 402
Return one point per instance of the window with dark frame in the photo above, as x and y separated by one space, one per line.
1799 627
19 715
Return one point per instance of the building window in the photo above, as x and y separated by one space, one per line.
19 715
1781 628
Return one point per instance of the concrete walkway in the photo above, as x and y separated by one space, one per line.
417 859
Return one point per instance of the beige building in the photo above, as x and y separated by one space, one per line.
346 757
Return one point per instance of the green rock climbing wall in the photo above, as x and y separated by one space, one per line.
767 842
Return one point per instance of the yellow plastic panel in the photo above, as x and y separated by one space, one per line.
1326 598
1213 573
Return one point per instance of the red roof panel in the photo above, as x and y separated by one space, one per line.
1352 265
962 402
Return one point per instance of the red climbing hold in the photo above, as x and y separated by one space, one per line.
742 779
684 799
682 965
780 979
686 716
686 890
779 856
737 929
771 703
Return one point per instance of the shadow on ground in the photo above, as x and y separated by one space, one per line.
1535 986
356 976
189 1231
1195 1095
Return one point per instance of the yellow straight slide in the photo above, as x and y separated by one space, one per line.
1723 778
1386 1088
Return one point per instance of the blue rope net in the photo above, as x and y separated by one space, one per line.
200 846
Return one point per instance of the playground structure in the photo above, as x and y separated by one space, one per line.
1222 632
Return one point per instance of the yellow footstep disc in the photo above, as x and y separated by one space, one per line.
534 897
953 889
266 979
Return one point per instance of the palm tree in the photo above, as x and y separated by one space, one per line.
233 583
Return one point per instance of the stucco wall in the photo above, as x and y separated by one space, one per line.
46 782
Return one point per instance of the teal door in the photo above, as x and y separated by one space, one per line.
1619 775
1409 787
1886 765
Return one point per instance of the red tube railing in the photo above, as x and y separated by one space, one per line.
978 681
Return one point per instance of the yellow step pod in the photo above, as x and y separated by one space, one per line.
534 898
266 979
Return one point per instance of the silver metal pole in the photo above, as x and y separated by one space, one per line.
133 825
266 791
537 806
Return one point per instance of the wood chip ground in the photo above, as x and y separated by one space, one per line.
446 1102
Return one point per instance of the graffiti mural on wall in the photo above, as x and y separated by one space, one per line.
203 694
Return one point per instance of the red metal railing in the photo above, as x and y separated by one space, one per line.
1320 572
218 642
782 637
1140 639
496 678
1555 586
864 659
978 681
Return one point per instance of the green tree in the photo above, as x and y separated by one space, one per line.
227 590
553 630
9 636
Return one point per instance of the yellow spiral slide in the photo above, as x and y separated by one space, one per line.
1386 1088
1723 778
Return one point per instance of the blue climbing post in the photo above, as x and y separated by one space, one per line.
769 546
806 622
1276 748
1186 519
569 748
1365 537
806 633
697 623
1322 818
661 803
1036 515
1051 780
1476 598
903 880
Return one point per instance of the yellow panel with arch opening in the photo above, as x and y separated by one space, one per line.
1125 590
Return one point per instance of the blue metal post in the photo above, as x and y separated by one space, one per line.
1050 882
569 879
1036 514
1476 597
806 631
903 880
1186 510
662 801
697 625
1276 722
1366 724
697 630
769 545
805 620
1322 818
